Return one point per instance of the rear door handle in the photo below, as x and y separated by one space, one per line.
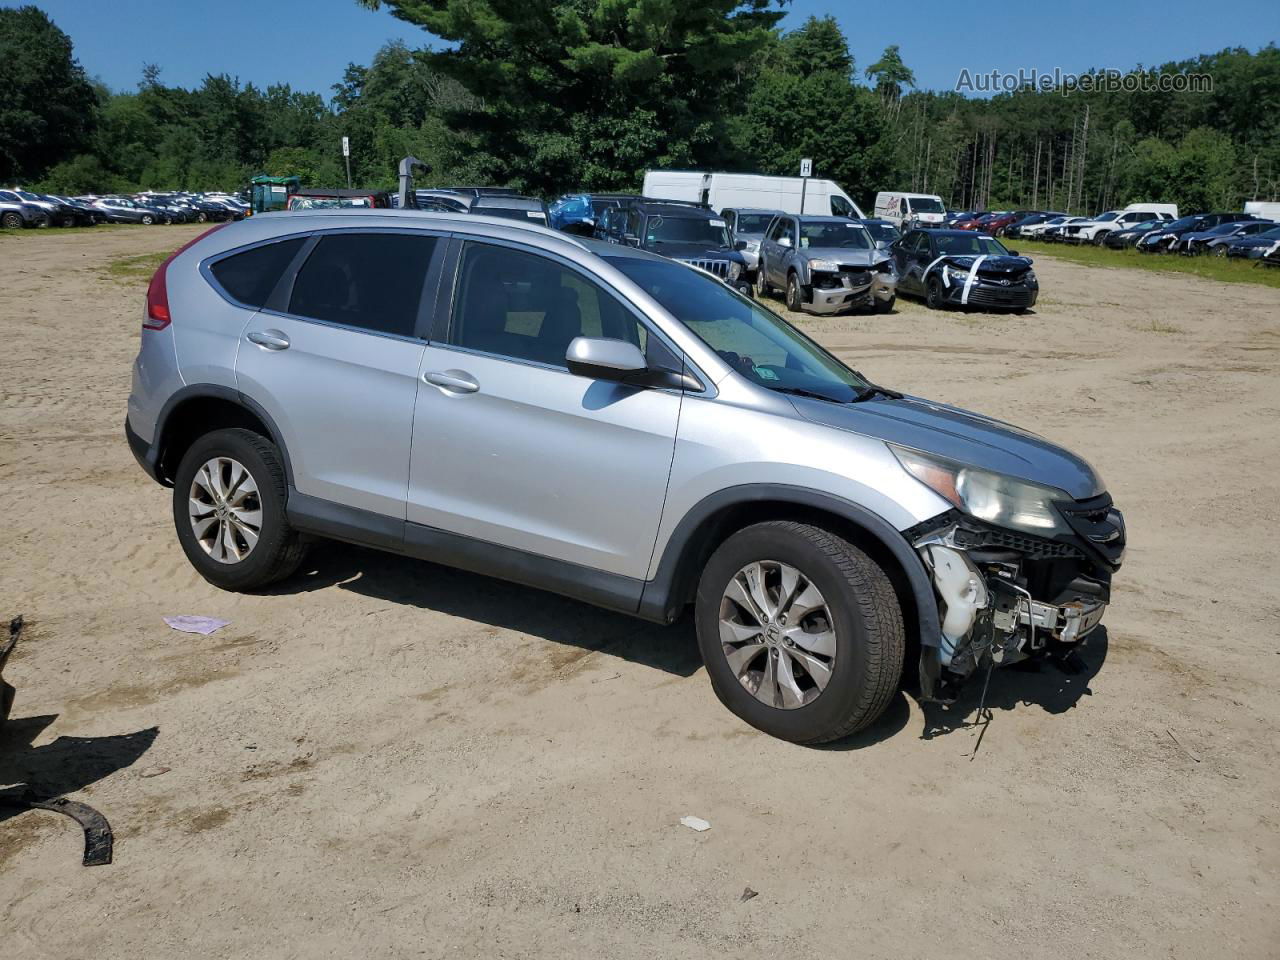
271 339
454 381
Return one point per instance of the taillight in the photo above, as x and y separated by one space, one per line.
158 290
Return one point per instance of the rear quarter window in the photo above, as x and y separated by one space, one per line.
249 277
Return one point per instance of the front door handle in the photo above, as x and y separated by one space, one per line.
454 381
271 339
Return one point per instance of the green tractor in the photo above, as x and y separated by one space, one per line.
272 193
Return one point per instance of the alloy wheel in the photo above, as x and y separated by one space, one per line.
225 510
777 634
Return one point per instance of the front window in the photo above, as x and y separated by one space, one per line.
971 245
1108 216
663 230
848 236
758 344
840 207
926 205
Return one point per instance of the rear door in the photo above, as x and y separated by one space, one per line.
510 448
334 360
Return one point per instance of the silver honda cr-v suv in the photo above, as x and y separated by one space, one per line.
614 426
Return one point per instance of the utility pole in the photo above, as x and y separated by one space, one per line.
346 155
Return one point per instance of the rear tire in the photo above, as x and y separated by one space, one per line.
859 622
251 558
763 289
148 219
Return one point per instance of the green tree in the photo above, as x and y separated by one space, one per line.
48 108
576 94
891 75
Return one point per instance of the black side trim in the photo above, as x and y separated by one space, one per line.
661 601
197 391
610 590
323 518
350 524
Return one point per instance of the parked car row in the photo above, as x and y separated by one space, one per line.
22 208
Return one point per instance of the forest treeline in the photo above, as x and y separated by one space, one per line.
567 94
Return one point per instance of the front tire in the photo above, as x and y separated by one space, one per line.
886 306
794 302
148 219
934 297
800 631
12 221
229 511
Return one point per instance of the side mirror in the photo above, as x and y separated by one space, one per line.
740 245
604 359
1014 253
631 241
784 241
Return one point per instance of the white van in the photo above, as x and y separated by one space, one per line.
1164 211
751 191
908 210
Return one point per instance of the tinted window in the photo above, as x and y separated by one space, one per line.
528 307
368 280
250 277
840 207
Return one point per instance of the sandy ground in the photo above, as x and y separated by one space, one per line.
388 758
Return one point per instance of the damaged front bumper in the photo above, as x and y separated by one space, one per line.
850 288
1004 596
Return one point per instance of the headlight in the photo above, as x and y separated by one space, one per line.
735 269
753 246
958 273
825 266
993 497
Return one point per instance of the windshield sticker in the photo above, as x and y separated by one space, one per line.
536 215
764 373
717 223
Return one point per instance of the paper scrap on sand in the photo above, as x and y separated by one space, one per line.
695 823
189 624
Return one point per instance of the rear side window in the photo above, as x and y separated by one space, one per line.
250 277
369 280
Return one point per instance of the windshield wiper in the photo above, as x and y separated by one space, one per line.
871 391
802 392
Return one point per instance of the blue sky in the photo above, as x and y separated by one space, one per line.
307 43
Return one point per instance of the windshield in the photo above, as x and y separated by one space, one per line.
761 346
971 245
925 205
660 230
1182 224
847 235
884 232
1106 217
753 222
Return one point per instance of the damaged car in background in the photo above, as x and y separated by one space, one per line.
962 268
825 265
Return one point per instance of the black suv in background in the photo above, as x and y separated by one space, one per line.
685 232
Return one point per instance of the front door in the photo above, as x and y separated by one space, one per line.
512 449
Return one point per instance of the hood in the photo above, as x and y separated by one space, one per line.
1000 266
846 256
962 436
695 251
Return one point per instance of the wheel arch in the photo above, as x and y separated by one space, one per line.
199 409
722 514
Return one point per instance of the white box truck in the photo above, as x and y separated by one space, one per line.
741 191
908 210
1263 209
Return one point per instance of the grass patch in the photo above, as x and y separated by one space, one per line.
1209 267
46 231
135 267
